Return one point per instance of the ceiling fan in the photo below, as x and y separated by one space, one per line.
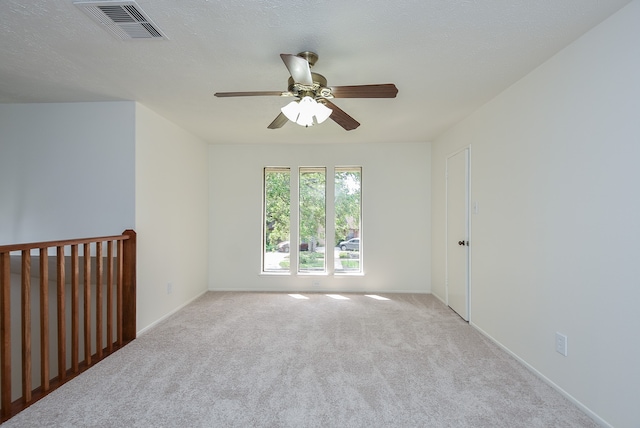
313 104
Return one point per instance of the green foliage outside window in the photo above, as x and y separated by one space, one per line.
312 211
347 204
277 207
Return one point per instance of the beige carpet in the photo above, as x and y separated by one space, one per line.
269 360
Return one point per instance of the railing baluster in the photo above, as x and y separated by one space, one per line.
5 334
44 319
99 299
86 248
26 325
62 324
74 309
110 296
119 303
119 291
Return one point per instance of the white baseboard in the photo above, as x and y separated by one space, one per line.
158 321
439 298
316 290
548 381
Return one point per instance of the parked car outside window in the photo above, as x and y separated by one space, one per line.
283 247
352 244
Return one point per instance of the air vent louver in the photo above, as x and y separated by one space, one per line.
124 19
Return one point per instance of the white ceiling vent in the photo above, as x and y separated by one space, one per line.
124 19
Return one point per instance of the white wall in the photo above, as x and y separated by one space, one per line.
74 170
555 242
66 170
396 218
172 219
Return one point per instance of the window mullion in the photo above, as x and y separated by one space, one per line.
294 217
330 243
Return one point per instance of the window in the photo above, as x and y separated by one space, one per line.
347 209
313 245
311 223
277 206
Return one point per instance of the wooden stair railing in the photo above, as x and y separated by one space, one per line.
121 252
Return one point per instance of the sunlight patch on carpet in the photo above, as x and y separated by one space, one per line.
376 297
338 297
299 296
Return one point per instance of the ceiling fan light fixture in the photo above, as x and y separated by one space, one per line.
322 112
302 112
291 110
306 112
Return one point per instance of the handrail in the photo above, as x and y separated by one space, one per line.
120 304
48 244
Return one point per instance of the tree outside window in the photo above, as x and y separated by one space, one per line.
347 208
344 247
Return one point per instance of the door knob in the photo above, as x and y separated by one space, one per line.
460 242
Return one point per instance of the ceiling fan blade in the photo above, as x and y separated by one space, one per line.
340 117
298 68
250 94
278 122
387 90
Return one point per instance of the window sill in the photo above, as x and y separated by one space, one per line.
308 274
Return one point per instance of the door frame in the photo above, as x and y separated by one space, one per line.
468 214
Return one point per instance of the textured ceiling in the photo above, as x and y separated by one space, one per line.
447 58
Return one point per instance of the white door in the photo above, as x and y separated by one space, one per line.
458 233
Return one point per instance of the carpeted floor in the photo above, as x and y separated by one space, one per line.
270 360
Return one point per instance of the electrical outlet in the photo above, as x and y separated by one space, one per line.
315 283
561 343
169 288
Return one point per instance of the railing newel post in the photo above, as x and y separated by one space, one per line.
129 286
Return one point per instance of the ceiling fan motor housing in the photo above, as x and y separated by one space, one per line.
318 89
311 57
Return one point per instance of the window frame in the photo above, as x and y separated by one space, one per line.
348 168
302 170
263 215
294 219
